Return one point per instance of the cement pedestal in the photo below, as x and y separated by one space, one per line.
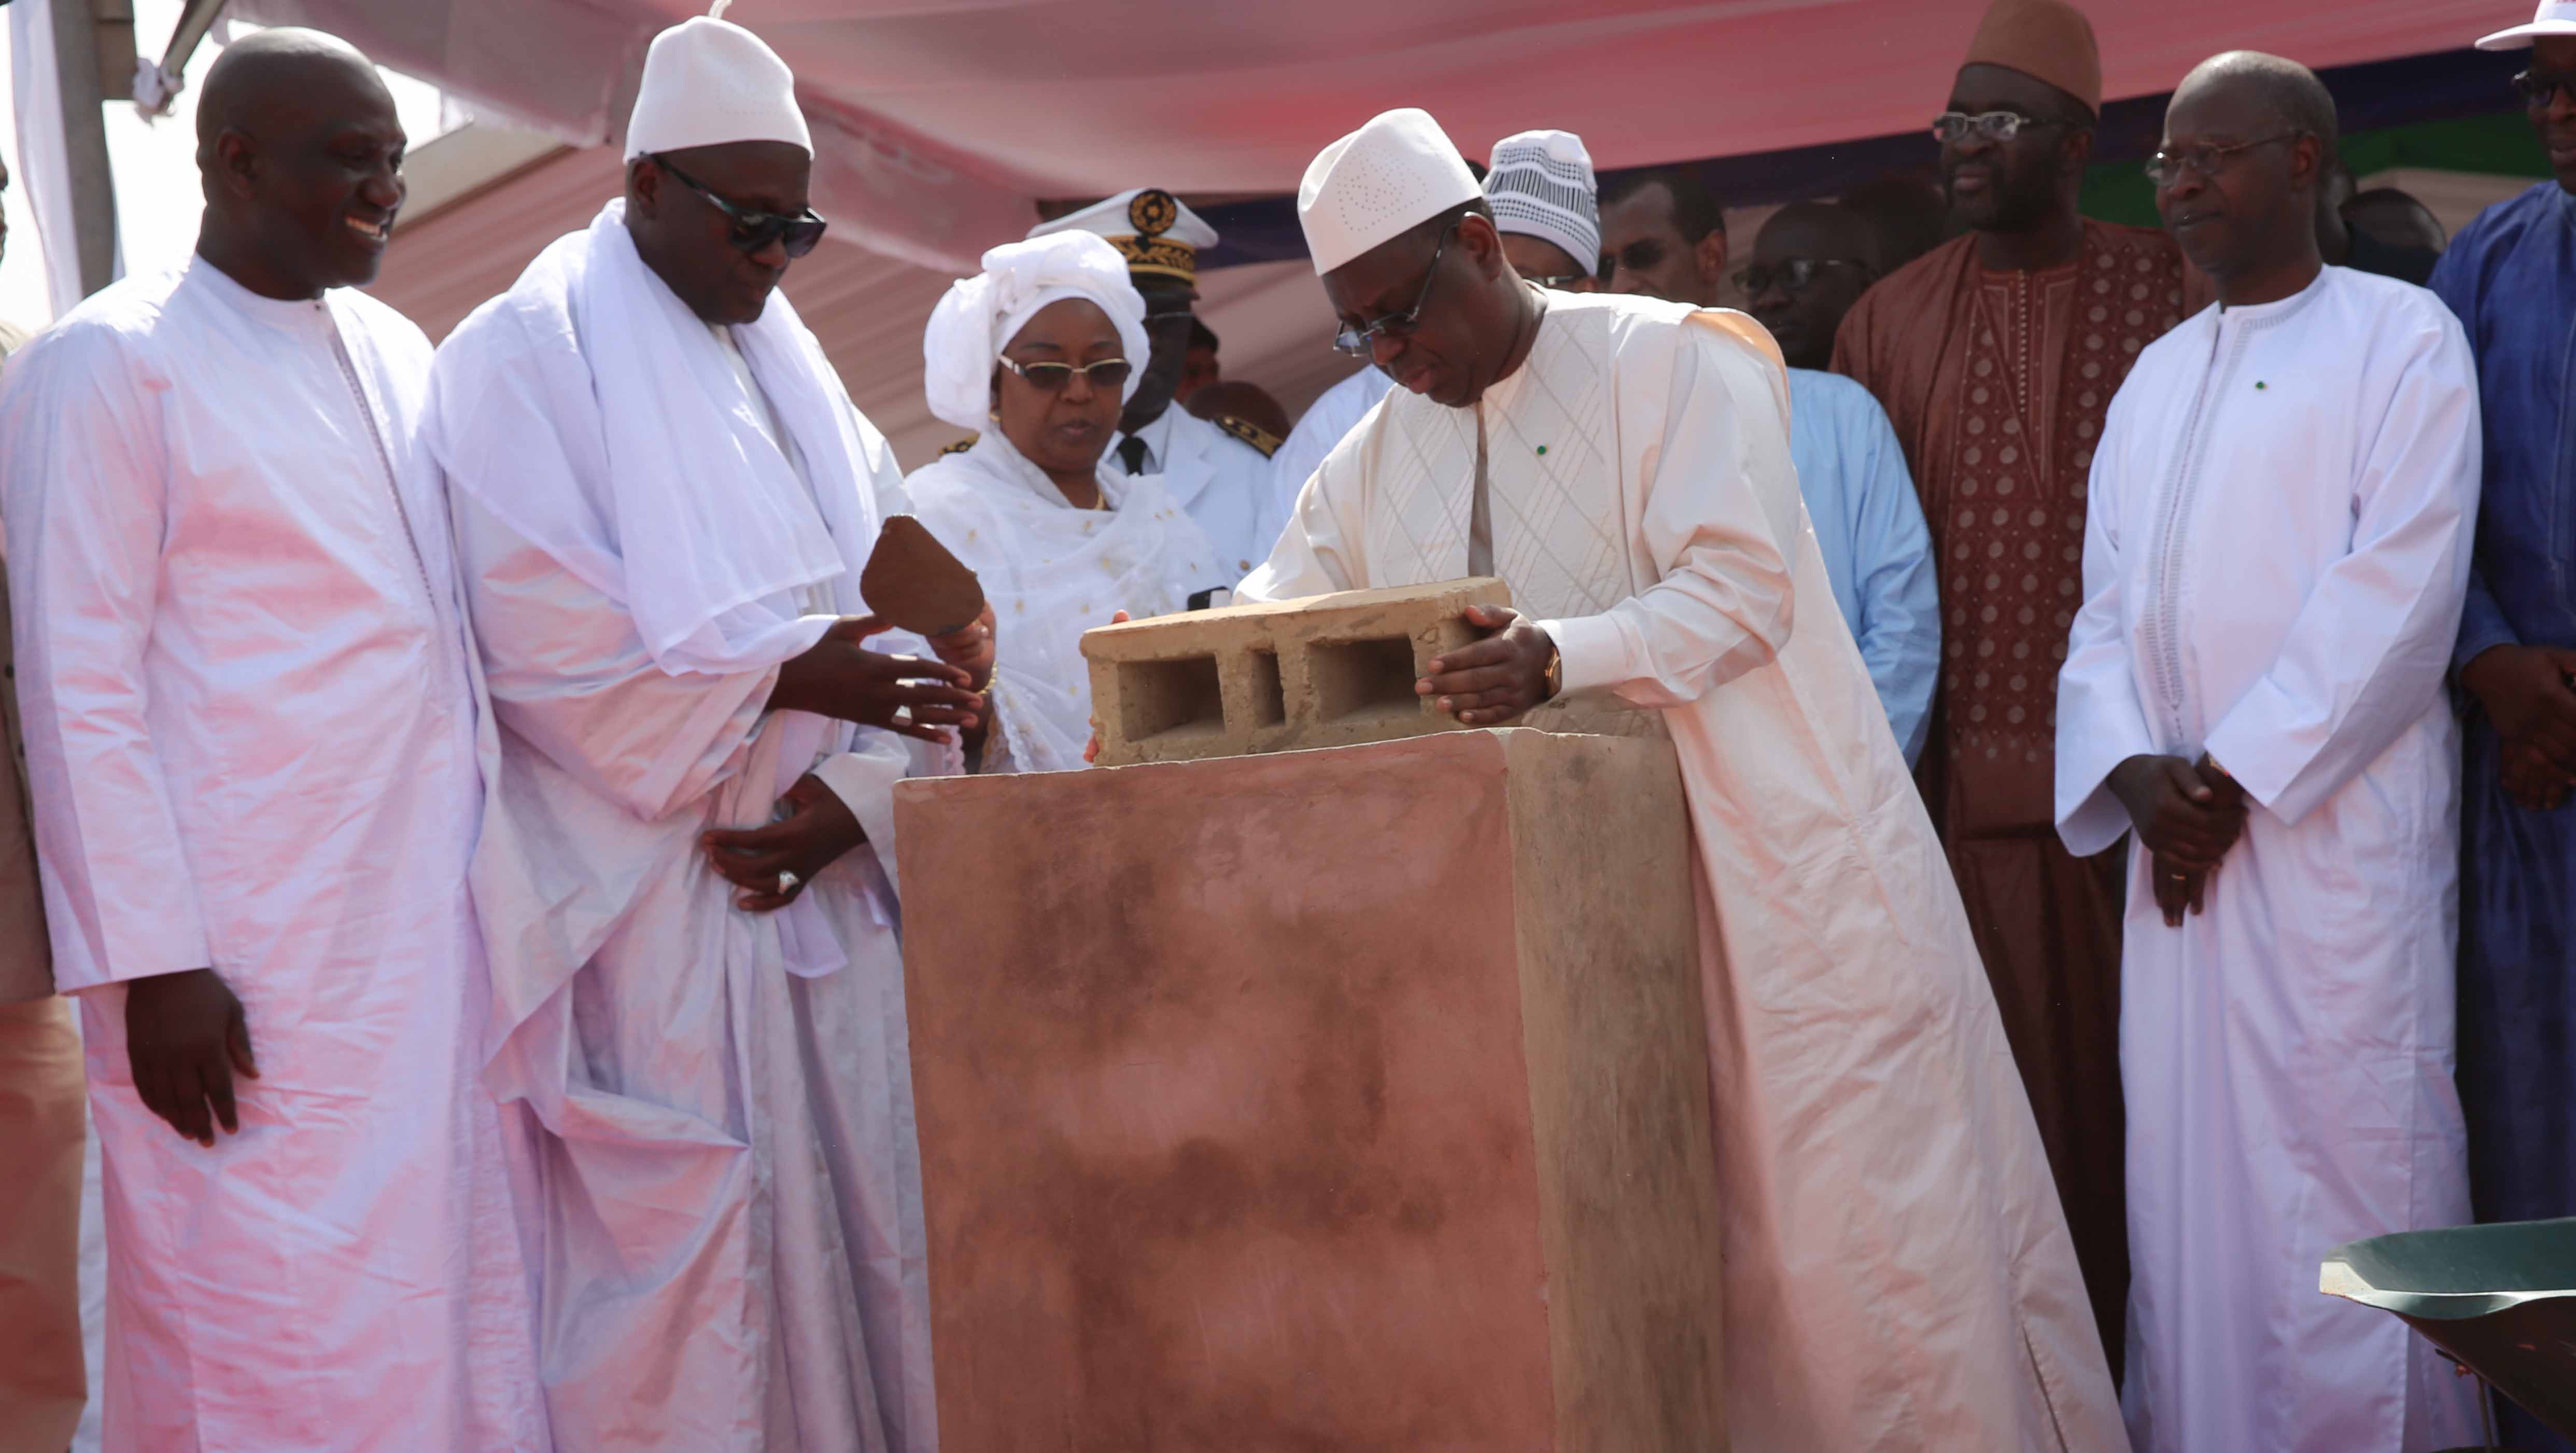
1350 1099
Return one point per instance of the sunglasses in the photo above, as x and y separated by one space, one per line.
753 231
1054 378
1361 342
1795 275
2538 87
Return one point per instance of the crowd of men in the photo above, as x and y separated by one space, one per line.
2123 681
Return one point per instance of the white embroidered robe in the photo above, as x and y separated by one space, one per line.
1899 1274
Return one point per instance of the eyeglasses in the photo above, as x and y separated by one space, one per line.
753 231
2166 167
1054 378
1561 281
2539 87
1795 275
1953 127
1362 342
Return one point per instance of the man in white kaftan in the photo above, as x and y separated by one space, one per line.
250 717
1898 1272
663 499
2276 553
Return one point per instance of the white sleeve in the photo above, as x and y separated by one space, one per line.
1721 501
1319 550
84 489
2100 721
2372 642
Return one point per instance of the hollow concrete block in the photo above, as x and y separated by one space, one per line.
1349 1099
1278 676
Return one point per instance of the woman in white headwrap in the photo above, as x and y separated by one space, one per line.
1040 352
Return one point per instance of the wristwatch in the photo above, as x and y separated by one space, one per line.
1555 671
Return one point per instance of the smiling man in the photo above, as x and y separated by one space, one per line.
2275 557
1996 355
2511 279
250 733
1897 1273
663 502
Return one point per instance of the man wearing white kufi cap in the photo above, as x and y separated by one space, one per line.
662 499
1898 1273
1546 207
1219 469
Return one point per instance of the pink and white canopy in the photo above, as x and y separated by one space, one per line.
939 121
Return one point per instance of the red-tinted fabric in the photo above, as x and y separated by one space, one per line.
1997 383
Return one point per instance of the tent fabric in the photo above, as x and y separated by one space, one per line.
941 121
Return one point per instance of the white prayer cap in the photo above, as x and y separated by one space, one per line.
1541 186
708 81
1155 231
2556 17
982 314
1367 188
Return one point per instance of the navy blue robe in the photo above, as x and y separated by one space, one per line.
2511 278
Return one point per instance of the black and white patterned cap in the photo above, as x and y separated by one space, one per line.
1541 186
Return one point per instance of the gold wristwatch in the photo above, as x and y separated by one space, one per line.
1555 669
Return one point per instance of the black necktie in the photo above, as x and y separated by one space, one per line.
1131 452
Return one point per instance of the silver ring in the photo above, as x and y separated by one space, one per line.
788 883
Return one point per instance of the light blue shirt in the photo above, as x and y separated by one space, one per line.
1869 527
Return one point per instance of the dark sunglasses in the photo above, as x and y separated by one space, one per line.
753 231
2538 87
1795 275
1361 342
1106 375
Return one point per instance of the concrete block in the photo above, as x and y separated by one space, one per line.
1351 1099
1326 671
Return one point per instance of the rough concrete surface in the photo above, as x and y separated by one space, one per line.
1325 671
1340 1100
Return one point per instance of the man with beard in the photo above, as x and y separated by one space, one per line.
1996 355
1665 235
1215 468
2511 278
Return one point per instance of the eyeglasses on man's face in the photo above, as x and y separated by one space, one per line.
1795 274
1361 342
1953 127
1107 375
2166 167
2538 87
753 231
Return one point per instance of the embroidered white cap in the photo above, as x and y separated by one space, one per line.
2556 17
1367 188
708 81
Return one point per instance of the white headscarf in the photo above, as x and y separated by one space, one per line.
982 314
